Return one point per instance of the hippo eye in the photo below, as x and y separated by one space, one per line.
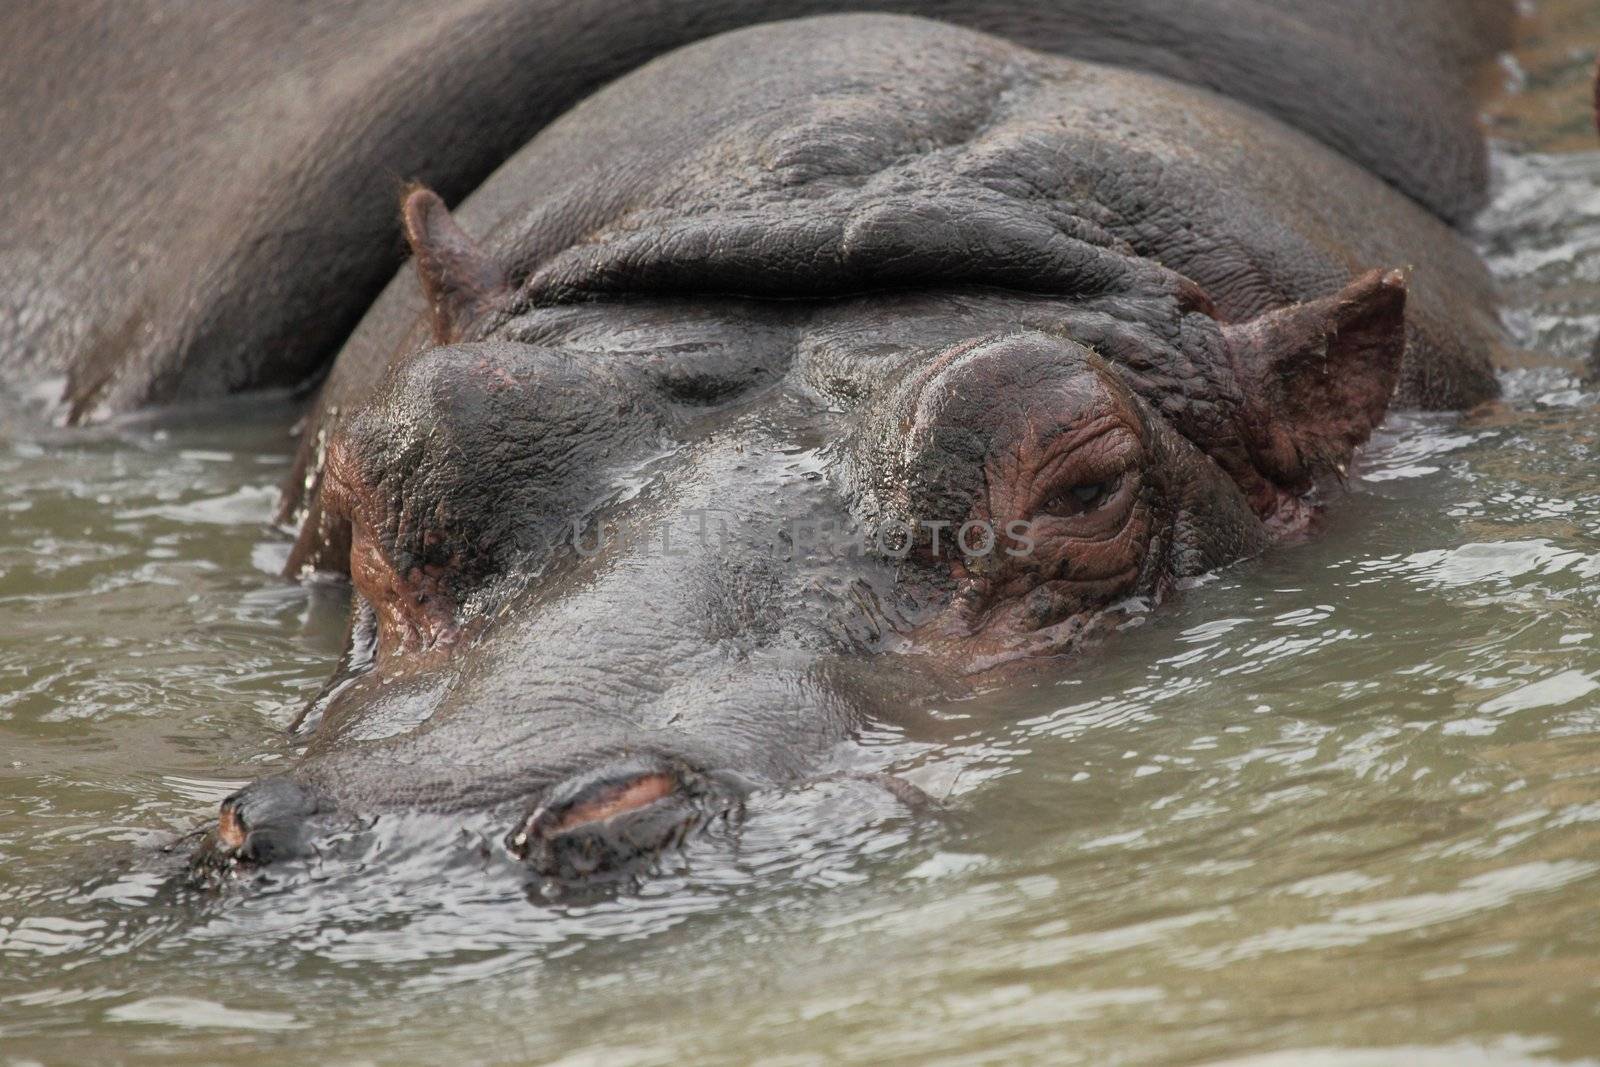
1082 498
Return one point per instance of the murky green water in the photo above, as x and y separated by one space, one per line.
1341 806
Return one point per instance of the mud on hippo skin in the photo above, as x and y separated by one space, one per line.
908 279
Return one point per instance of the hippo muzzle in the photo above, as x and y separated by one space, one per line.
610 822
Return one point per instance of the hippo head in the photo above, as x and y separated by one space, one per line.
671 517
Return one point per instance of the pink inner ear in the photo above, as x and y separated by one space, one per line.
1317 378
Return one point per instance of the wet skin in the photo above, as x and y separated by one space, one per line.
895 378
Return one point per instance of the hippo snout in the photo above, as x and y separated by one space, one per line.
609 820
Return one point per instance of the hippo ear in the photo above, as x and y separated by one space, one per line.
459 279
1317 377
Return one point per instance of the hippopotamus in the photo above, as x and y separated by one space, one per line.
819 370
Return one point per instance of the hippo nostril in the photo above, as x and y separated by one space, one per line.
267 820
604 803
230 827
626 811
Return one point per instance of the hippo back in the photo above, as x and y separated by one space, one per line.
201 198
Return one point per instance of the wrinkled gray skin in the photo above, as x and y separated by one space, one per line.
199 196
846 273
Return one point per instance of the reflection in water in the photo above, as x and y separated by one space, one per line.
1338 807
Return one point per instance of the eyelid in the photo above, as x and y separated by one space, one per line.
1115 452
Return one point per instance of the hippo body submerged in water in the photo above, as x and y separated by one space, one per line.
848 337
